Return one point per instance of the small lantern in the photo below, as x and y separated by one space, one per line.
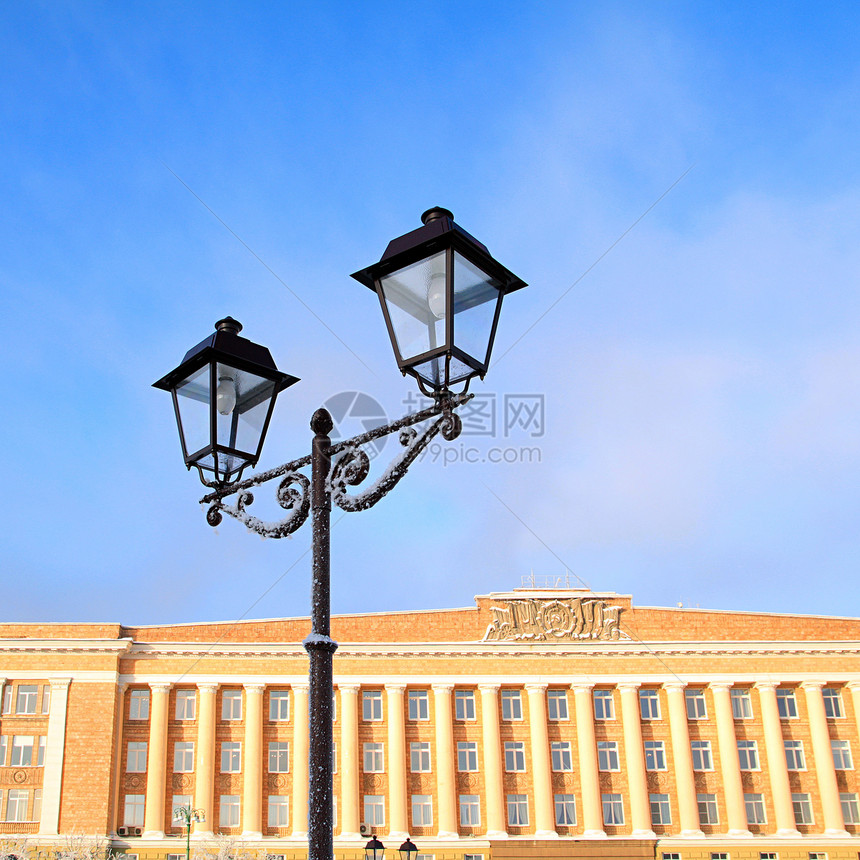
224 393
408 850
374 849
441 293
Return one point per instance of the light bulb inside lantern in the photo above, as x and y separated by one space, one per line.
225 395
436 295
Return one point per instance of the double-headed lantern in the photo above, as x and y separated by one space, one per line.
224 393
441 293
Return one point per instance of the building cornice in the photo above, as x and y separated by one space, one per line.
65 646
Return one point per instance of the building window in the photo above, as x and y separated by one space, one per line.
613 810
16 807
473 857
562 759
374 810
138 705
334 756
419 705
279 810
180 800
422 810
419 757
702 759
279 757
22 751
817 855
374 761
768 855
556 704
565 810
132 815
719 855
25 703
649 704
467 755
186 701
279 706
707 804
748 755
2 750
603 709
7 699
371 706
231 757
518 810
655 755
832 703
850 810
794 758
470 810
607 755
754 804
841 755
786 704
37 804
802 808
136 760
228 810
231 705
515 756
512 705
696 709
464 704
671 855
741 704
660 811
183 757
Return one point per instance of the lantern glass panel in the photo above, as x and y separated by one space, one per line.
250 396
416 299
476 296
192 399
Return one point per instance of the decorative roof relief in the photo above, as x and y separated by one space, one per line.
542 619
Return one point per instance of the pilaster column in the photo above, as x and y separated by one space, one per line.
494 787
252 780
204 771
729 762
446 777
682 758
544 808
775 746
634 755
52 775
592 809
117 754
350 820
828 788
156 763
398 823
300 761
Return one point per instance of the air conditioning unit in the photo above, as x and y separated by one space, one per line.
135 831
364 829
122 831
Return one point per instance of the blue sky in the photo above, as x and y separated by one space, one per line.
678 183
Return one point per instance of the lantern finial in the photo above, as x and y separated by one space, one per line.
435 214
228 324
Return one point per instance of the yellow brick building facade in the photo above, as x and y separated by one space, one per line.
538 723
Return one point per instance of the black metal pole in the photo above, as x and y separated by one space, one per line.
320 648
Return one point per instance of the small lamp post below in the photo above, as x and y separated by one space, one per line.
374 850
408 850
188 815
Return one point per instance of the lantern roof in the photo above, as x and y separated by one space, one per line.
226 346
440 231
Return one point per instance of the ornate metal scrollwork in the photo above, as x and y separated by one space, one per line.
350 466
353 465
293 495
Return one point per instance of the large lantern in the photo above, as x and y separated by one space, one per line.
441 294
374 850
224 393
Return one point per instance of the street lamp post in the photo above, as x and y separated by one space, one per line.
189 815
441 294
